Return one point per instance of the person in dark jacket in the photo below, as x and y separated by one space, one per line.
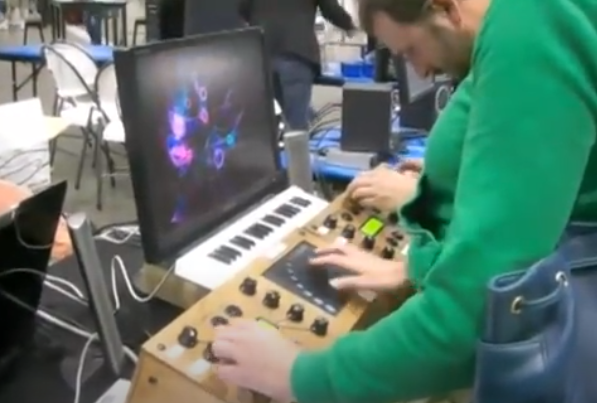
289 28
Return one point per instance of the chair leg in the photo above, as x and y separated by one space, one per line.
98 172
135 30
110 163
82 159
53 147
41 34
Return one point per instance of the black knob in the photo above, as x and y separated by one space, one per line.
398 235
393 218
209 355
355 209
388 252
248 286
348 232
295 313
330 222
368 242
219 321
233 311
319 327
346 216
188 337
392 241
272 299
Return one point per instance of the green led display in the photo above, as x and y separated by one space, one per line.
372 227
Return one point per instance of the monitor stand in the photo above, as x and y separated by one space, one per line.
116 393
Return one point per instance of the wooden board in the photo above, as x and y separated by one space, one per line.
168 371
346 214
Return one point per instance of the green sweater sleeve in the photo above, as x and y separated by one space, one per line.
529 137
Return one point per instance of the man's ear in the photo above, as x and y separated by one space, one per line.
450 9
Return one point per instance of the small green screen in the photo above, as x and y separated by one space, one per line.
372 226
266 323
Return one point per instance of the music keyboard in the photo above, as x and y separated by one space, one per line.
220 257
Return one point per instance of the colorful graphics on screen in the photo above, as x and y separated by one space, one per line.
203 128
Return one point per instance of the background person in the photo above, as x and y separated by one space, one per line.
289 27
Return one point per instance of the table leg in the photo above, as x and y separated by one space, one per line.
34 73
106 33
15 87
54 21
115 29
125 32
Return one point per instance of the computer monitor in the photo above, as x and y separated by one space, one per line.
201 136
26 239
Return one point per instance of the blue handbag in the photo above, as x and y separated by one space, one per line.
539 343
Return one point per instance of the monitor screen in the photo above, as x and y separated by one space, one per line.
200 134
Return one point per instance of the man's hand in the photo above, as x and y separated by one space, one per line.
256 358
413 166
370 272
382 188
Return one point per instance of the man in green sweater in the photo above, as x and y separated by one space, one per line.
509 162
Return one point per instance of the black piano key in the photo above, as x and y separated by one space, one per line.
242 243
247 241
264 228
255 232
299 201
233 253
273 220
286 210
216 255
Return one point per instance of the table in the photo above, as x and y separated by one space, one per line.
56 126
101 7
330 138
32 55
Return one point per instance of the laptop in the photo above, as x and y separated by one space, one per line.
27 233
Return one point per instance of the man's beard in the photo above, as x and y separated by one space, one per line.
457 50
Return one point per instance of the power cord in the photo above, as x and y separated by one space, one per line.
91 337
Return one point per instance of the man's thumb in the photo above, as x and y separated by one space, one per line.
353 283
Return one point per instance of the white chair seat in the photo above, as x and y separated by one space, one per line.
79 114
114 132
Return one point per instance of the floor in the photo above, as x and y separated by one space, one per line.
119 203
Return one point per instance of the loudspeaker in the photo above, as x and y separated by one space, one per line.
366 117
298 158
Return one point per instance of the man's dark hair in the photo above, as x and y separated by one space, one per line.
401 11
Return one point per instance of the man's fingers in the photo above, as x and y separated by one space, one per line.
225 349
335 259
362 282
361 180
368 202
363 192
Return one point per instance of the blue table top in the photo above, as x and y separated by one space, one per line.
103 54
330 138
32 53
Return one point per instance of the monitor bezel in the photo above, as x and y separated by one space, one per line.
172 247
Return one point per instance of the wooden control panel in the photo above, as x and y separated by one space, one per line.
367 228
280 291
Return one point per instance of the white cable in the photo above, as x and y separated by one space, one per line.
91 337
74 288
117 264
131 231
81 366
77 295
